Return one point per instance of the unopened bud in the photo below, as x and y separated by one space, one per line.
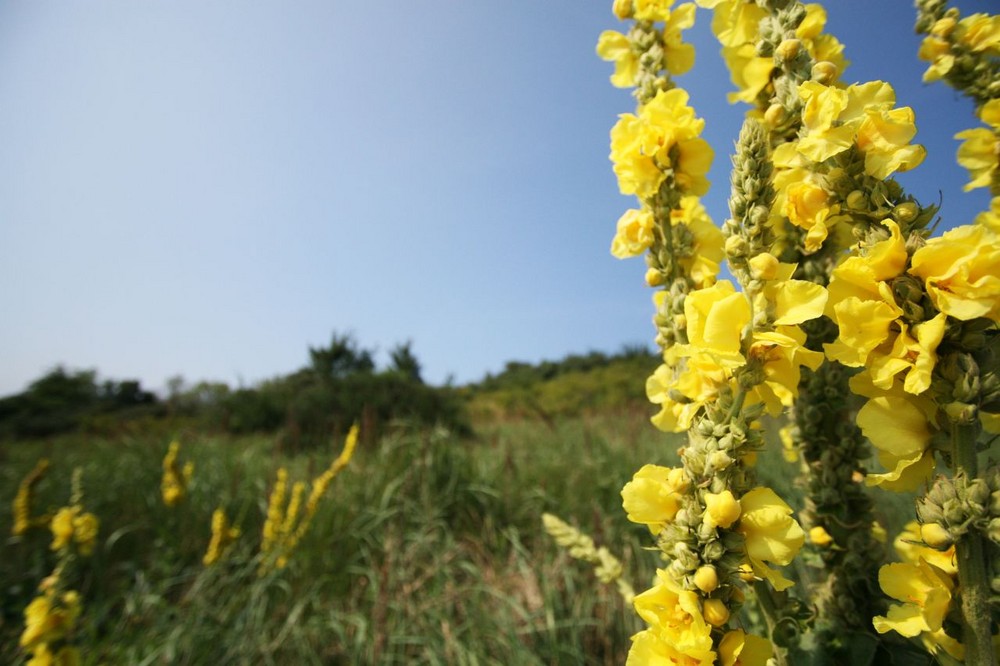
736 246
715 612
719 460
774 115
622 9
721 509
824 72
906 212
654 277
706 578
787 49
764 266
857 200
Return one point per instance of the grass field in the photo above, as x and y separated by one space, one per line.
427 549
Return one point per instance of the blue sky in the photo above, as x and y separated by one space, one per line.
208 188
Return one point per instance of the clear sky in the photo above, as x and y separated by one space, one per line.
206 188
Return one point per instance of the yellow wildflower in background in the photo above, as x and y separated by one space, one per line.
222 536
23 500
980 149
49 617
176 478
72 524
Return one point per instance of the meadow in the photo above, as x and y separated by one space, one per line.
428 548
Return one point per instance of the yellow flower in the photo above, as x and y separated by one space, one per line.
915 355
25 494
819 536
910 547
650 649
808 206
634 235
991 218
834 119
716 317
682 393
49 618
721 509
926 593
960 272
663 138
980 33
897 425
652 10
653 496
822 46
85 528
62 527
675 619
616 47
741 649
678 56
176 479
980 147
783 352
771 533
222 536
702 264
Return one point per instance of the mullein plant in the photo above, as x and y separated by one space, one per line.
51 617
23 520
818 227
607 567
287 522
176 477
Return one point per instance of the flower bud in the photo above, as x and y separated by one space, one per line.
774 115
706 578
719 460
654 277
820 537
943 27
787 49
736 246
721 509
715 612
764 266
906 212
824 72
857 200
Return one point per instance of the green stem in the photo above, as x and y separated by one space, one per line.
769 607
970 557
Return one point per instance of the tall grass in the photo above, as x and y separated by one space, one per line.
428 549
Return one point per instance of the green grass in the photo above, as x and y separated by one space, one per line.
427 549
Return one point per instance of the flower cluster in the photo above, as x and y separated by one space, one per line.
607 567
50 620
286 524
23 520
223 536
176 478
